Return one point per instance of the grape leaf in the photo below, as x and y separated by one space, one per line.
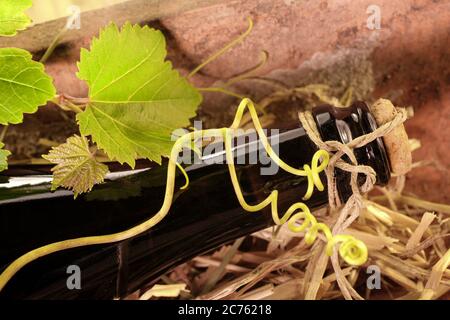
23 85
3 157
12 16
76 167
136 99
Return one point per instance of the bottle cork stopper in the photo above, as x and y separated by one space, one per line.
396 142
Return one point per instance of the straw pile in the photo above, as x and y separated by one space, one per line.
406 237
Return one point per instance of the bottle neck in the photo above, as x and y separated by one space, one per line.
344 125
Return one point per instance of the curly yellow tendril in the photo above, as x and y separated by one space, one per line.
353 251
312 174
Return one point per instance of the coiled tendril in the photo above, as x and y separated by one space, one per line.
353 251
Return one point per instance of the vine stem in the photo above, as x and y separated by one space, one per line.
56 39
68 103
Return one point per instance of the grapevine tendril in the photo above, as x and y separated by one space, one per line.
352 250
224 49
186 177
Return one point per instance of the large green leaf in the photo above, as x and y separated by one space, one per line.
76 167
136 98
24 85
3 157
12 16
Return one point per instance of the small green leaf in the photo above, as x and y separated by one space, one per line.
76 167
12 16
3 157
136 99
24 85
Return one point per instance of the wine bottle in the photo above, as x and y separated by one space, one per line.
202 217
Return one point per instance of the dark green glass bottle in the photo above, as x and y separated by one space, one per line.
202 217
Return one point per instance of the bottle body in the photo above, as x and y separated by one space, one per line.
204 216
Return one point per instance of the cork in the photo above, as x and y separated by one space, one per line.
396 142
